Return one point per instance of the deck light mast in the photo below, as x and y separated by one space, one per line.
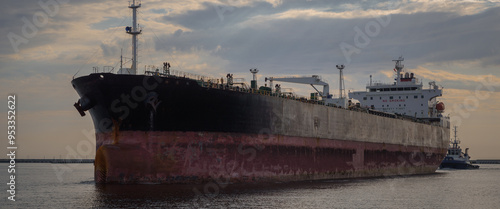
341 82
134 32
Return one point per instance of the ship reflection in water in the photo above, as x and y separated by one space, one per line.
40 187
423 191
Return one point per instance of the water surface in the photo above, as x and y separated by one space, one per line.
72 186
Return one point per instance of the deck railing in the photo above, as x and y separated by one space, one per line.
208 82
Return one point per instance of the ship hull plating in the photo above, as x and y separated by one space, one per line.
192 157
174 130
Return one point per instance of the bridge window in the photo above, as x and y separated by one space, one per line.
415 96
422 96
371 98
390 97
364 98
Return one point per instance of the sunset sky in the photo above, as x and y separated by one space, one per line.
45 43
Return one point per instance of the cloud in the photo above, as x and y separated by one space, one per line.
440 75
452 42
263 33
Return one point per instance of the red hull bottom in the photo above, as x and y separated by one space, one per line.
195 157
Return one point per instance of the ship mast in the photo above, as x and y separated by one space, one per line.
455 143
134 32
253 84
399 67
341 81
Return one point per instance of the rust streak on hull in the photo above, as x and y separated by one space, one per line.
193 157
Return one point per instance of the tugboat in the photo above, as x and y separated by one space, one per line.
456 158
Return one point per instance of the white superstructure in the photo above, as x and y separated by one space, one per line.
406 96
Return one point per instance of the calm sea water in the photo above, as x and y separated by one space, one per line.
72 186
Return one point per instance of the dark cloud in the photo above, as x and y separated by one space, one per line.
314 43
158 11
287 44
109 50
436 37
224 13
302 44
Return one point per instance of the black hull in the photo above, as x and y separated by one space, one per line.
457 165
128 102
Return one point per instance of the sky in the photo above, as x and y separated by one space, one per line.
45 43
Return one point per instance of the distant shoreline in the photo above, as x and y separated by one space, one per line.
485 161
49 160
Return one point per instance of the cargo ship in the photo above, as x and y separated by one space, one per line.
165 126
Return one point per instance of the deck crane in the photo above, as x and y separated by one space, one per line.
313 80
